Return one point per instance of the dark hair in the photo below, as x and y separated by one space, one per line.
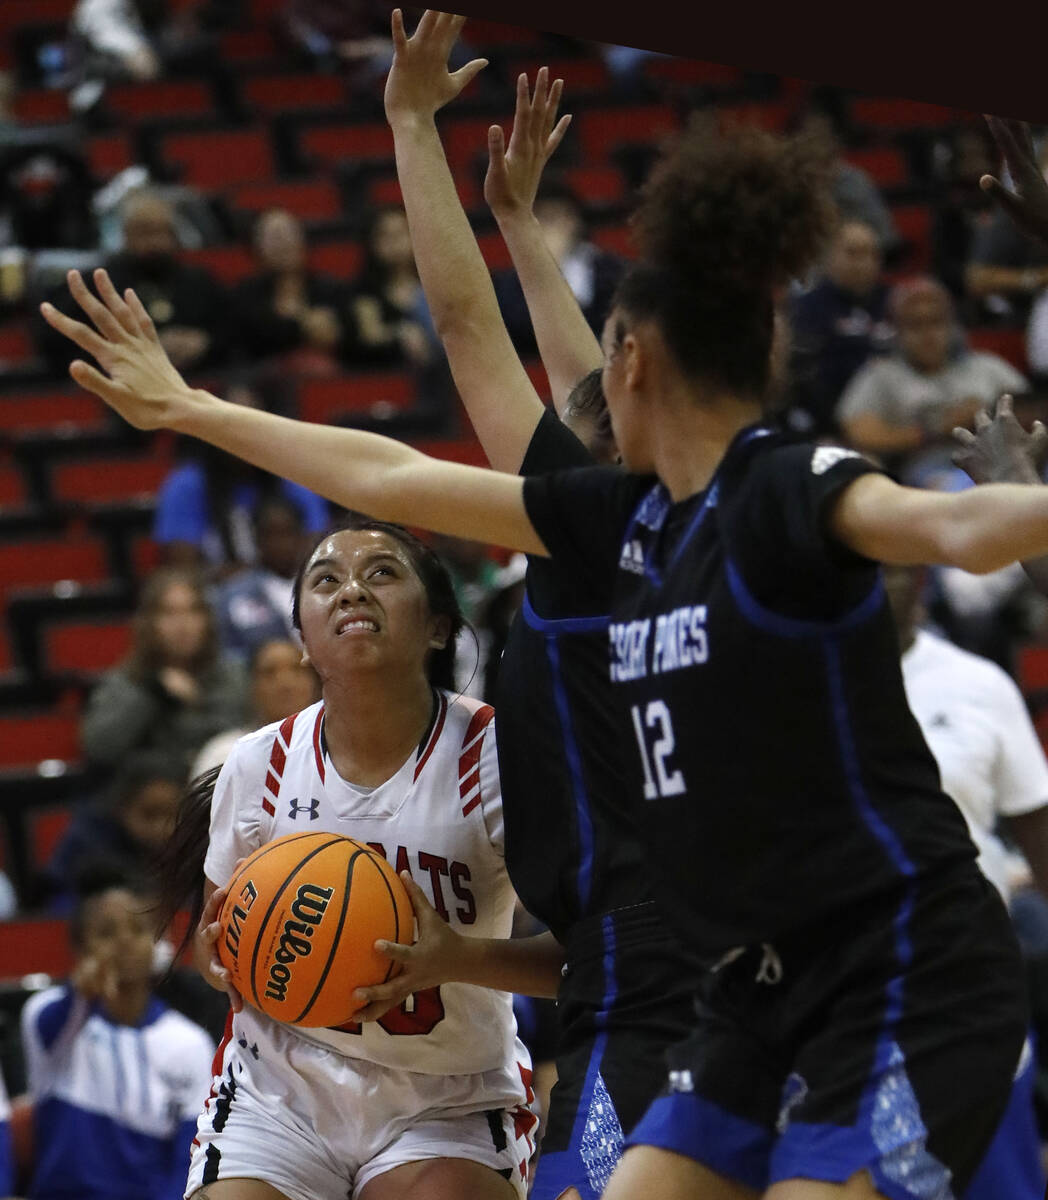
374 274
586 399
276 502
140 768
179 867
144 657
726 218
92 881
432 573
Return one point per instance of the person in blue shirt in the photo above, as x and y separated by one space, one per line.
116 1078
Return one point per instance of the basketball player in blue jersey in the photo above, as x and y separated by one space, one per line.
863 1017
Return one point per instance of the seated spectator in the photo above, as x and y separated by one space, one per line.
287 309
350 33
901 403
1006 269
188 306
591 273
961 209
173 691
203 513
836 325
282 682
387 320
116 1078
254 605
123 830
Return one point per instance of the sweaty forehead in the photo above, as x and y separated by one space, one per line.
354 544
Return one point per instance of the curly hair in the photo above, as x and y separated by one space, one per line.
727 217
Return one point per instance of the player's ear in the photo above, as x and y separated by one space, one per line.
441 632
635 353
305 660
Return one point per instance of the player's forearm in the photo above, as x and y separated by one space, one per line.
567 345
368 472
992 526
985 280
501 403
529 966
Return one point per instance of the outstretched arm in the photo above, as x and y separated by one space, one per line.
499 397
373 474
567 345
1028 204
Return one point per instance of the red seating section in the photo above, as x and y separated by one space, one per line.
47 560
27 741
221 158
87 645
324 400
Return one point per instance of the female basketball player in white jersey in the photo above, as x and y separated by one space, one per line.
433 1098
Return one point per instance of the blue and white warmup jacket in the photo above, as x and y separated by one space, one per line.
115 1106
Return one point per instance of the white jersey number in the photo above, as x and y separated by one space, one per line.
656 720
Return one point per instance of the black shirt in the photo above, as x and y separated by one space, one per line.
572 849
783 776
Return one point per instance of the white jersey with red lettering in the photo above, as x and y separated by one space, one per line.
440 817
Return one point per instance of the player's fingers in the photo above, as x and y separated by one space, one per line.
964 436
395 950
114 302
104 321
557 136
92 380
497 147
982 420
213 907
465 75
85 337
400 36
1002 196
553 103
427 24
419 900
1005 407
142 318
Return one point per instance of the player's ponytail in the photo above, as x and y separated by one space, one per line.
727 218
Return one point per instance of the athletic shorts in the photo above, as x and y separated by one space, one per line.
317 1125
887 1042
627 996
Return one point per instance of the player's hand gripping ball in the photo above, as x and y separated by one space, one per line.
300 922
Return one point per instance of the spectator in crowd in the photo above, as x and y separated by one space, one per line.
897 405
254 605
960 210
174 690
116 1078
203 513
388 321
123 830
7 1153
350 33
188 306
282 682
8 902
836 325
45 194
591 273
1007 269
287 309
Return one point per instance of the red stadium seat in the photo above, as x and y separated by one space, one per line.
385 192
243 46
466 142
108 154
88 646
145 556
495 252
12 485
773 117
616 238
273 94
691 72
220 158
539 380
41 106
1031 669
310 199
46 828
15 13
914 222
105 480
229 264
23 412
34 947
1010 344
28 741
6 658
596 185
347 143
41 561
16 342
166 98
341 259
885 165
324 400
600 131
901 114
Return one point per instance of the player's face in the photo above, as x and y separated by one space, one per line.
619 381
281 683
180 623
117 930
363 606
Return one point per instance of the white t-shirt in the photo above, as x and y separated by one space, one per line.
975 721
439 816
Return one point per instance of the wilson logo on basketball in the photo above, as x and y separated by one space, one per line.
308 909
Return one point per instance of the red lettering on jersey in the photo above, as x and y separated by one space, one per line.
420 1013
526 1076
460 872
379 849
436 867
402 861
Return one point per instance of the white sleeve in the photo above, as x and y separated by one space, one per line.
491 791
196 1080
236 812
1021 772
50 1023
111 26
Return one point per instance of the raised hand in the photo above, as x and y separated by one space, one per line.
419 82
140 383
205 953
513 174
429 962
1028 204
1000 450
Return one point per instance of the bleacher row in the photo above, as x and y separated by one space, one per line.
77 489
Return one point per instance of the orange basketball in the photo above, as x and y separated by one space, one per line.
299 926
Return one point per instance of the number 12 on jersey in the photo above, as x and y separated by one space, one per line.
653 723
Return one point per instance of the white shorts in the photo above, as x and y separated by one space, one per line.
317 1125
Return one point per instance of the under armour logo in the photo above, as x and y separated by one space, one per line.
310 808
940 721
253 1048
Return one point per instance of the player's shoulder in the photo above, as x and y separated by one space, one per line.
39 1002
466 718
